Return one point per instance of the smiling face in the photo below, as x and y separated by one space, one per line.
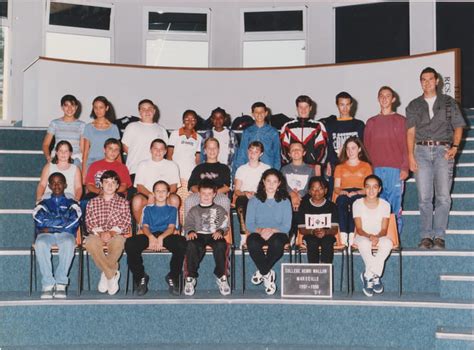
352 150
254 153
158 151
161 193
57 185
303 109
372 188
344 106
386 99
271 183
206 196
189 121
147 112
429 83
218 121
63 153
259 114
297 151
109 186
112 152
317 192
69 109
212 151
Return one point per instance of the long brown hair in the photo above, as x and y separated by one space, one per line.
363 155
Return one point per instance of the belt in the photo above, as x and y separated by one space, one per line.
434 143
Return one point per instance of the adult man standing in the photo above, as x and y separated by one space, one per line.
434 130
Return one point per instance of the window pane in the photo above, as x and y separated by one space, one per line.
79 16
171 53
274 53
3 8
271 21
78 47
179 22
3 44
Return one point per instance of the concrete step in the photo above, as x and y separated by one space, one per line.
21 138
24 164
457 286
454 338
460 185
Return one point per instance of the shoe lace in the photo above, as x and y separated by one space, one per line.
142 281
170 282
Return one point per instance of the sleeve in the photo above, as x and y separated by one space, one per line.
81 128
334 215
146 216
223 219
41 216
124 175
285 220
276 151
90 174
164 134
250 218
175 175
457 119
411 112
239 174
190 221
360 131
198 144
225 173
123 218
52 127
322 144
74 214
357 209
337 172
140 175
173 218
92 220
173 139
368 169
300 215
285 142
115 132
367 136
128 134
194 178
403 145
385 209
203 154
87 131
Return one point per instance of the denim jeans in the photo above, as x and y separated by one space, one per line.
392 191
434 178
66 243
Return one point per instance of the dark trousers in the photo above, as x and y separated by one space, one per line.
197 249
241 208
276 246
135 245
326 244
344 209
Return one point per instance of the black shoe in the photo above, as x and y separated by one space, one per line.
173 285
439 243
426 243
142 286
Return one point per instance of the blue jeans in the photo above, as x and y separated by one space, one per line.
434 178
344 210
66 243
392 191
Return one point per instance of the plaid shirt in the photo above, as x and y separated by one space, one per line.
112 215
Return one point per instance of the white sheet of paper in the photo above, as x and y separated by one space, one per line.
315 221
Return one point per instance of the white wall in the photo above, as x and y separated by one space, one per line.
28 17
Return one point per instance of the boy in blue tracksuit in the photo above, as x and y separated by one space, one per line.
56 222
264 133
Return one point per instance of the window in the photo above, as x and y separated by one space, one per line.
79 32
177 39
272 38
4 58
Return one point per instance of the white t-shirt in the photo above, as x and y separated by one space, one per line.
184 153
249 176
431 102
371 218
138 137
223 137
149 171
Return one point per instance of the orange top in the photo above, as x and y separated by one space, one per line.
352 176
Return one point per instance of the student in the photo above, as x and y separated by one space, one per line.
150 171
264 133
97 132
62 163
56 223
269 221
297 174
107 221
227 138
247 178
138 136
111 161
349 177
67 128
213 170
341 128
158 227
324 238
206 224
371 216
386 143
310 133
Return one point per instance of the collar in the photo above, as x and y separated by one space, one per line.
193 134
317 205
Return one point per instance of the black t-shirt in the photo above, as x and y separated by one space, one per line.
306 207
219 173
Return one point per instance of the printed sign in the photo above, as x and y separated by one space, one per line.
315 221
306 280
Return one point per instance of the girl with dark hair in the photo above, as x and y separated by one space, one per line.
100 130
349 177
268 220
62 162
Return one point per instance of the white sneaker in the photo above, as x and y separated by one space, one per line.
223 284
269 283
113 284
189 286
60 291
243 240
47 292
351 239
257 278
343 236
103 284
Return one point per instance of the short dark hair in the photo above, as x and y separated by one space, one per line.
257 105
343 94
58 146
158 141
303 99
222 111
57 174
207 183
429 70
110 174
385 87
161 182
374 177
192 112
109 114
69 98
316 179
257 144
112 141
